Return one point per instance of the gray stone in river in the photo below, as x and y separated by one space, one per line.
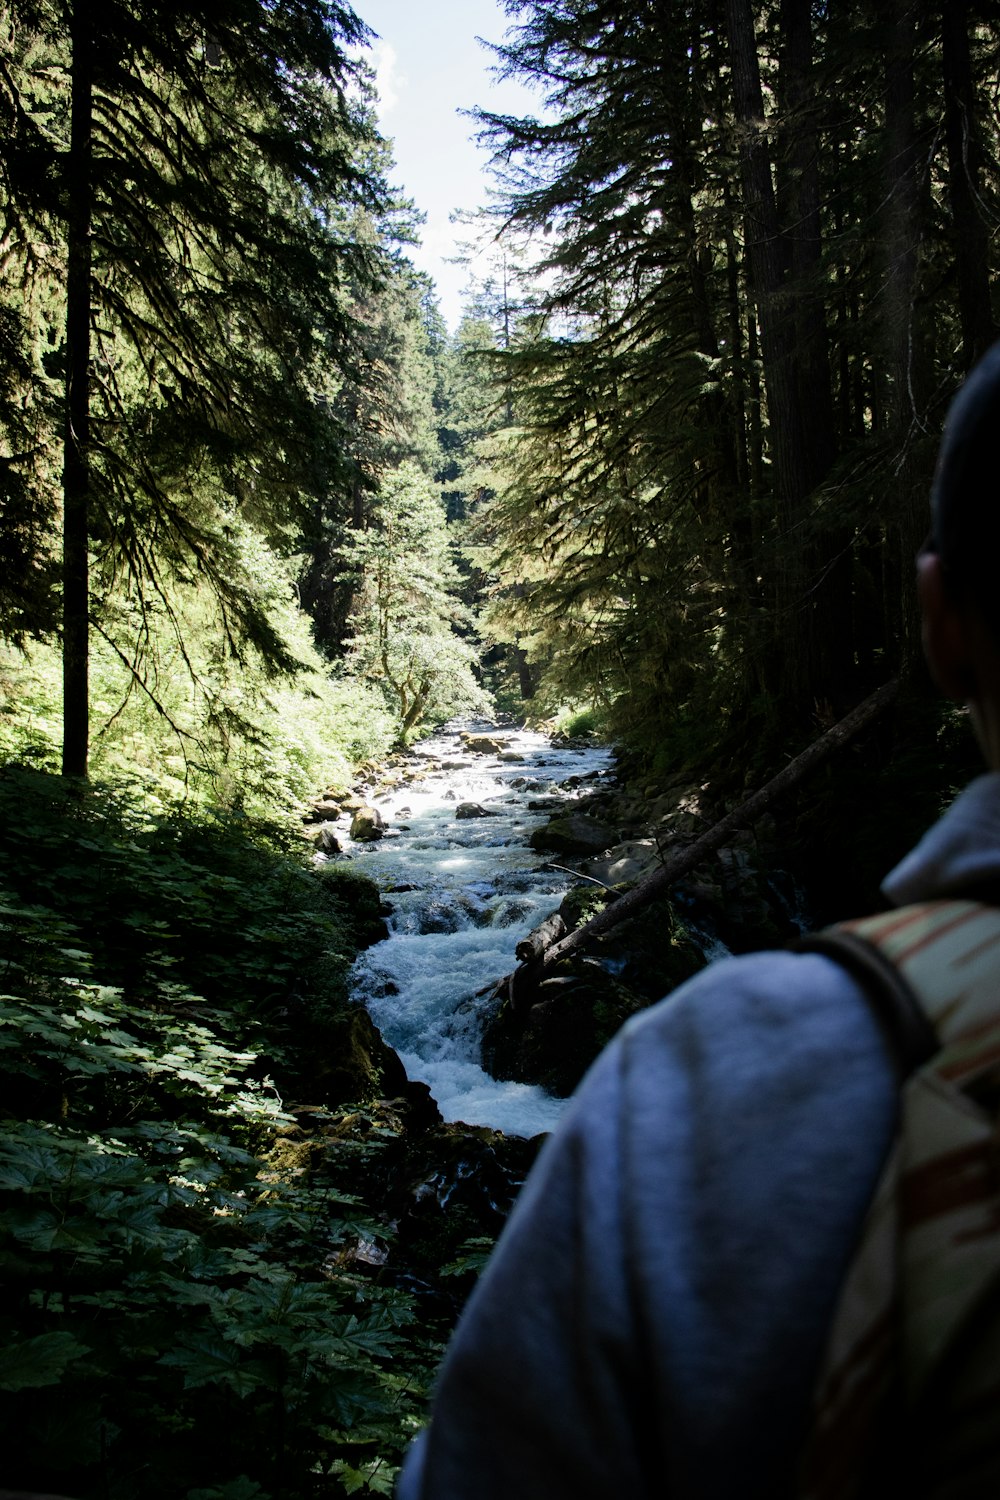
367 825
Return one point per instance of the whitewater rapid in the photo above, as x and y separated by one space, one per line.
463 892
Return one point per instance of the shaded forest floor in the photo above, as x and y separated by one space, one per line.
232 1237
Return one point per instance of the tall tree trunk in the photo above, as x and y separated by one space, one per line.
971 249
799 216
525 676
827 615
800 458
904 389
76 449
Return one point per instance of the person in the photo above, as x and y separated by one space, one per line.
653 1317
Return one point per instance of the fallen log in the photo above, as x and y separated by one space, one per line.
679 862
540 938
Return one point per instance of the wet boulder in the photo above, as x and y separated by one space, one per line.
458 1183
367 825
440 913
326 839
576 1010
548 1025
624 862
467 810
322 810
483 744
574 834
341 1057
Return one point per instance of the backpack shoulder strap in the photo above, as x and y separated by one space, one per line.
914 1342
910 1036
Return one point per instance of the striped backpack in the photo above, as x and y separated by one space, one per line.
908 1397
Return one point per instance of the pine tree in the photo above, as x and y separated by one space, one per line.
386 405
191 240
411 636
764 266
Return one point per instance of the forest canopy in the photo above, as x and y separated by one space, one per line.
681 442
215 350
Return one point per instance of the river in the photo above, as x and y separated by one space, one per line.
463 892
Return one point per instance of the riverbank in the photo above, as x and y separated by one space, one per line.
235 1234
803 863
446 833
474 839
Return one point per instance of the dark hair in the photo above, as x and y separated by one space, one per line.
965 498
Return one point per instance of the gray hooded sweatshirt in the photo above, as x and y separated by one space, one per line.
652 1318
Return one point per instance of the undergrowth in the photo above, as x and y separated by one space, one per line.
181 1318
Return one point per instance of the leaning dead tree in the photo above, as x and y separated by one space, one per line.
678 862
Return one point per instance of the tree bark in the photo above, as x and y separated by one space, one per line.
541 938
76 445
971 246
904 385
812 639
678 863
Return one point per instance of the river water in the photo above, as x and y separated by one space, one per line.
463 892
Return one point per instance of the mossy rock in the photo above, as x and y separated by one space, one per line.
358 903
581 903
564 1018
569 1019
346 1060
576 834
656 951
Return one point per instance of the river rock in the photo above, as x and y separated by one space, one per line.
577 1010
574 834
326 839
436 1186
344 1059
473 810
441 913
551 1031
367 825
322 810
483 744
624 863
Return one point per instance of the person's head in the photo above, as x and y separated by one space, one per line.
959 566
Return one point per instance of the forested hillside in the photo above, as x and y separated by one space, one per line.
768 242
265 519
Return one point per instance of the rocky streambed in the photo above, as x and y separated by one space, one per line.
478 836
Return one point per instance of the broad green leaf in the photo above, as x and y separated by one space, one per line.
207 1360
38 1361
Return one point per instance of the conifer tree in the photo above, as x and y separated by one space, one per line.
387 406
755 295
183 180
411 635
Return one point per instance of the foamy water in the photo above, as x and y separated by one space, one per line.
463 892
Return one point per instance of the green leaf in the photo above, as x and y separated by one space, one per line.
206 1360
38 1361
235 1489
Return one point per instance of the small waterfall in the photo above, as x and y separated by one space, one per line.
464 890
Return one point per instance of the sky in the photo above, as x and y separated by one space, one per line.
430 67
